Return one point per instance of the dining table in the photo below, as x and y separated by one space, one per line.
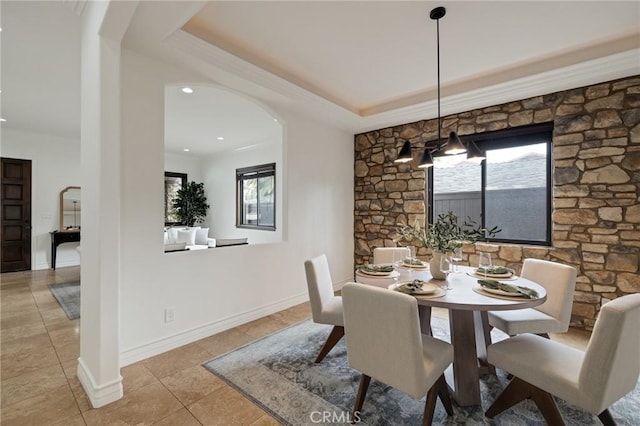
468 305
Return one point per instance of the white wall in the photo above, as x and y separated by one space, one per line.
55 165
211 290
188 164
220 181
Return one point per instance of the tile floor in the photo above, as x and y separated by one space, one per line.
40 347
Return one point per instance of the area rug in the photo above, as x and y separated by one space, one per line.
68 296
277 373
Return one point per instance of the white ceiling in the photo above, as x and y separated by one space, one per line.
374 56
196 120
363 61
40 67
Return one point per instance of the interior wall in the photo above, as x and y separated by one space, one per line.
220 178
188 164
212 290
55 165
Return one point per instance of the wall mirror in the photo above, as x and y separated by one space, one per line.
70 207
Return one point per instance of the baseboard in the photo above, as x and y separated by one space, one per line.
138 353
59 264
99 395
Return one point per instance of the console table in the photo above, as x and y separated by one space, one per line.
61 237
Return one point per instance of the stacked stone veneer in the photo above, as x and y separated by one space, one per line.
596 209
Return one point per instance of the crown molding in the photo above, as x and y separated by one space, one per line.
586 73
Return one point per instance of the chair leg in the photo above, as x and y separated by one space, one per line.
547 406
443 393
518 390
606 418
439 389
362 392
430 405
334 337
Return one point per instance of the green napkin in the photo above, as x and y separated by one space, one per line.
495 270
371 268
412 261
527 292
410 288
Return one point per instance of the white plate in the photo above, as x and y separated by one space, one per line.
501 293
423 266
500 277
378 275
426 287
375 274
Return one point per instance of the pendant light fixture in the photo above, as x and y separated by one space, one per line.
454 144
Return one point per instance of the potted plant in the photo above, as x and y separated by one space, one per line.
190 204
444 235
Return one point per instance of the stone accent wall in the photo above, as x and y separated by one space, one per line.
596 209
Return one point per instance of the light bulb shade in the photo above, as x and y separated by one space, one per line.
474 152
454 145
405 153
425 160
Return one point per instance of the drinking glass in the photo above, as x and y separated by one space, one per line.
412 255
456 256
445 268
484 261
412 252
397 263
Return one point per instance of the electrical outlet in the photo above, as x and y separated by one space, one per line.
169 314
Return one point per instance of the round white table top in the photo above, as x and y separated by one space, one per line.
464 293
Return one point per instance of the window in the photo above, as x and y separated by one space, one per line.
510 189
256 197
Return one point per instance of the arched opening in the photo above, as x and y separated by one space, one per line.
210 135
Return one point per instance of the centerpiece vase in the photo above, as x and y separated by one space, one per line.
434 266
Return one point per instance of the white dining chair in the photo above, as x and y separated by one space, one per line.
384 342
554 315
383 255
326 307
592 380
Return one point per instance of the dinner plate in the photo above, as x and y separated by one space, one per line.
501 292
423 265
378 274
426 287
489 274
504 277
375 274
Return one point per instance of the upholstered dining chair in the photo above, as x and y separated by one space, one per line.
384 342
326 307
592 380
552 316
389 254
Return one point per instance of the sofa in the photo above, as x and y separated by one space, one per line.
178 238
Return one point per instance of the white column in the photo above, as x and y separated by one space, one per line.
103 26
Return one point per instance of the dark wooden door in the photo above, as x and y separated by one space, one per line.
15 215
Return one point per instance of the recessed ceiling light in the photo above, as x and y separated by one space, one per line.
3 119
186 150
187 90
275 119
220 138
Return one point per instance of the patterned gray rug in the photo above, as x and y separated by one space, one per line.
277 372
68 296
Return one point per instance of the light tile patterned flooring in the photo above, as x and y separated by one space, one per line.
40 347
